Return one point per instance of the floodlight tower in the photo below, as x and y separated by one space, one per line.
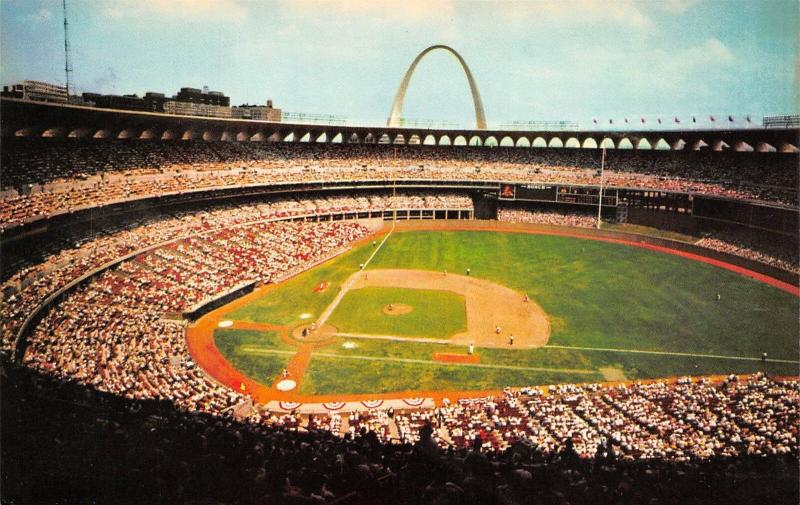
67 59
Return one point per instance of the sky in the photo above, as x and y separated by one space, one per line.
574 60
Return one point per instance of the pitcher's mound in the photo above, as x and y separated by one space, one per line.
397 309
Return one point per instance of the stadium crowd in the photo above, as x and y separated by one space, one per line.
43 177
119 450
111 333
764 251
30 278
553 218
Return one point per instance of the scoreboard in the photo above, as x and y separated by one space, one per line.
557 193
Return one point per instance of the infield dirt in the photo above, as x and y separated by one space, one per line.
489 305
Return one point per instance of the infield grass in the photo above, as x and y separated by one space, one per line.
435 313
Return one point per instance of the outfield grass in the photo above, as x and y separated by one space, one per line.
596 294
435 314
600 294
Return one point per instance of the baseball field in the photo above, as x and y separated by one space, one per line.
533 309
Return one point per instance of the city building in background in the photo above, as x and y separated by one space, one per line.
38 91
257 112
150 102
196 102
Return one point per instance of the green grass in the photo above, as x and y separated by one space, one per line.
359 376
650 232
599 294
435 314
263 368
596 294
297 296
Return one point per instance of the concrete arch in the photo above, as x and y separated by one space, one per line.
53 132
607 143
24 132
444 140
305 138
227 136
396 114
589 143
660 144
557 142
475 141
103 134
572 143
523 142
429 140
338 138
490 141
539 142
323 137
79 133
127 133
509 143
625 144
764 147
788 148
643 144
460 141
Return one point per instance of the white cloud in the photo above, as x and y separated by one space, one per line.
177 10
577 12
387 11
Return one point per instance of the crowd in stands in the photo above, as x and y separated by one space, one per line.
73 444
29 278
44 177
764 251
111 334
553 218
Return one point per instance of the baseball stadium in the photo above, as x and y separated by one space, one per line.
214 309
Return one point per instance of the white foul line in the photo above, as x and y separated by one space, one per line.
323 318
668 353
256 350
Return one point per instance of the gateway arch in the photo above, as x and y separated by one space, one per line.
396 114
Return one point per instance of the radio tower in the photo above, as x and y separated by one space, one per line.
67 60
